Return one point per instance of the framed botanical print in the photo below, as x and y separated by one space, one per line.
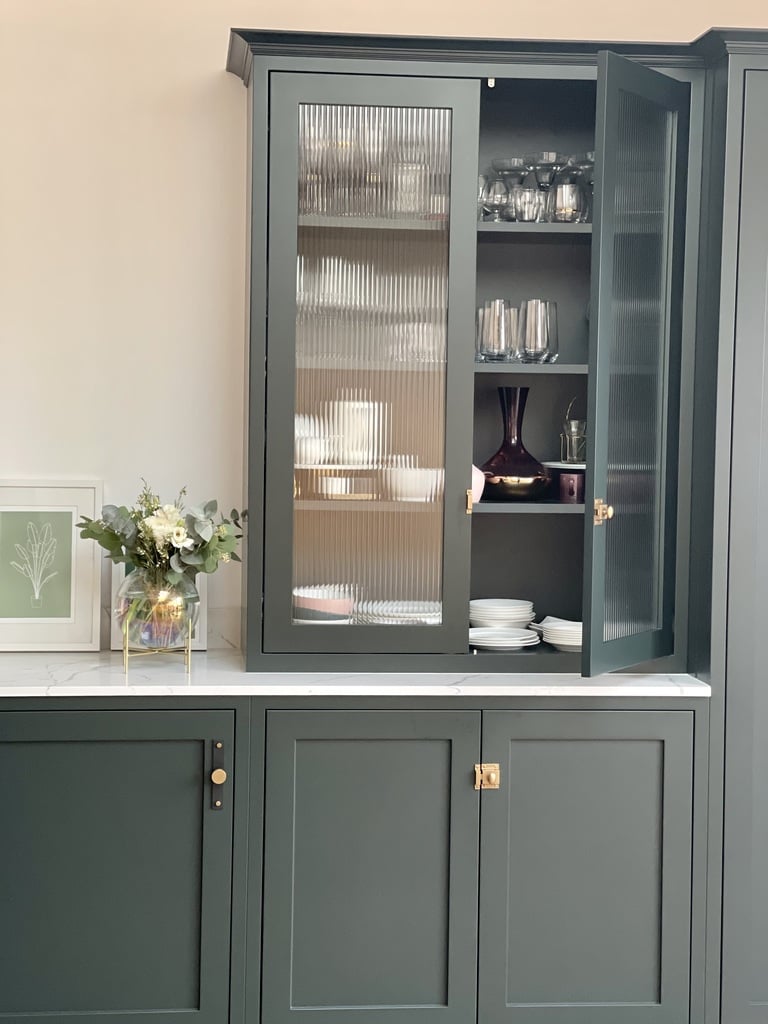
49 576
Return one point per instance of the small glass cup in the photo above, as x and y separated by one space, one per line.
528 205
567 202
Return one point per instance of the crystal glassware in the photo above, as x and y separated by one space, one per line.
528 204
495 198
537 331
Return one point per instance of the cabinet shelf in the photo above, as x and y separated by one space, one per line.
504 227
545 658
316 220
353 504
527 507
542 369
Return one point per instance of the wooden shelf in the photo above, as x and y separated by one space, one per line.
354 504
512 508
543 369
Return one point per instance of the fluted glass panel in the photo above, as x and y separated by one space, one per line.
637 372
371 318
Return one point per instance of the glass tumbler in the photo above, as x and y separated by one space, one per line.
528 205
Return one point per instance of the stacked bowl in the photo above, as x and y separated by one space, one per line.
324 604
497 612
561 633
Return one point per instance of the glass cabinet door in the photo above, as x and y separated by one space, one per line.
631 492
371 314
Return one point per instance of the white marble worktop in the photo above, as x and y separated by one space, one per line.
221 674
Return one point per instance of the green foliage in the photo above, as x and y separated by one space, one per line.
164 540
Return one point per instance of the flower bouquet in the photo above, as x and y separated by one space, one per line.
164 546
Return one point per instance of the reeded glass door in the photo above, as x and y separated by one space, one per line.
368 369
638 237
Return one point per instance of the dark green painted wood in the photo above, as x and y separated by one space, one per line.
618 76
371 846
745 885
586 868
115 872
287 93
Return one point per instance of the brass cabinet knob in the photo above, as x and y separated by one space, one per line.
493 778
609 512
218 776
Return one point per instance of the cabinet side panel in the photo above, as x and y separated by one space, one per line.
745 892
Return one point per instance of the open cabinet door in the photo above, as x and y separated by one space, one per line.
634 365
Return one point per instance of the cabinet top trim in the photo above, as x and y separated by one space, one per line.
244 44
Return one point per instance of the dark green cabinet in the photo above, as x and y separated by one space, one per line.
370 867
376 838
115 868
745 704
367 268
585 868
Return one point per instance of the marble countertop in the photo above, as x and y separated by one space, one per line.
221 673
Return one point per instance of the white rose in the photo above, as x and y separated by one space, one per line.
179 538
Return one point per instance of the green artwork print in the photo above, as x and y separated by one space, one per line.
36 564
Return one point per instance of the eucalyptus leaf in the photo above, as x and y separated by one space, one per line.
176 563
192 558
211 507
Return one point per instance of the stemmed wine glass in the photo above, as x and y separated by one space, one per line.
545 165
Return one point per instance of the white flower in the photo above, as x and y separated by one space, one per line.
162 525
179 538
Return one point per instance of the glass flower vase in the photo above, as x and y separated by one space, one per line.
155 616
512 473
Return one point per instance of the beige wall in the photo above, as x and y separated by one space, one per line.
122 235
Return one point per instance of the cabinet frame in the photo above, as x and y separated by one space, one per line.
292 53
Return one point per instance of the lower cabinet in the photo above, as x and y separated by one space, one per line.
393 890
115 867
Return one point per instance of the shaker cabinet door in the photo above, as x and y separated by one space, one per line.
115 870
634 365
371 845
369 418
585 868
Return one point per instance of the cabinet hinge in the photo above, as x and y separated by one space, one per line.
487 776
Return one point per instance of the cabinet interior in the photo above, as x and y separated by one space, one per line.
527 551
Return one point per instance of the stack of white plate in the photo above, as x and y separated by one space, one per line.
561 633
503 638
496 612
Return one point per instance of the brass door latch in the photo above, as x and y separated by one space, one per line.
603 512
469 502
218 775
487 776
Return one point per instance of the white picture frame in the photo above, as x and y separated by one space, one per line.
199 633
50 578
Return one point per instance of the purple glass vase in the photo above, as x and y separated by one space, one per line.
512 474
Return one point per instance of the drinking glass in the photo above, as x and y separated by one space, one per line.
567 201
545 165
495 198
537 331
528 204
497 332
584 164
